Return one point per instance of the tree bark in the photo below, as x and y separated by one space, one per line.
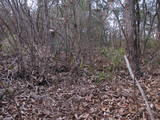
158 19
132 34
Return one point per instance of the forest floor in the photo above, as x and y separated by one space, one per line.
79 97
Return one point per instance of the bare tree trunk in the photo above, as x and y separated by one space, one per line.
89 36
158 19
89 20
132 33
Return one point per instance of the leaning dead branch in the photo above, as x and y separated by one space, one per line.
140 89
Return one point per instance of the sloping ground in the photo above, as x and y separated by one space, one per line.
114 99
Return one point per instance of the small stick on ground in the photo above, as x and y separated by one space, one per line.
140 89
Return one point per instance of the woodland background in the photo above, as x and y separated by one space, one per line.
64 59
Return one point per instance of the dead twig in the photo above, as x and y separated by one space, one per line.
140 89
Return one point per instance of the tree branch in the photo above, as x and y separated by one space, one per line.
140 89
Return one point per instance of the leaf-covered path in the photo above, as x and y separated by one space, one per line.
111 100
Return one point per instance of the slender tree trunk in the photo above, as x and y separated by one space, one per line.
89 36
132 34
89 20
158 19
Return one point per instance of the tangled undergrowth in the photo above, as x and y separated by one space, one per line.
66 92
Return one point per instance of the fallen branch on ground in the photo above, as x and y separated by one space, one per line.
140 88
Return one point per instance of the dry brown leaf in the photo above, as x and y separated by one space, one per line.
157 106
